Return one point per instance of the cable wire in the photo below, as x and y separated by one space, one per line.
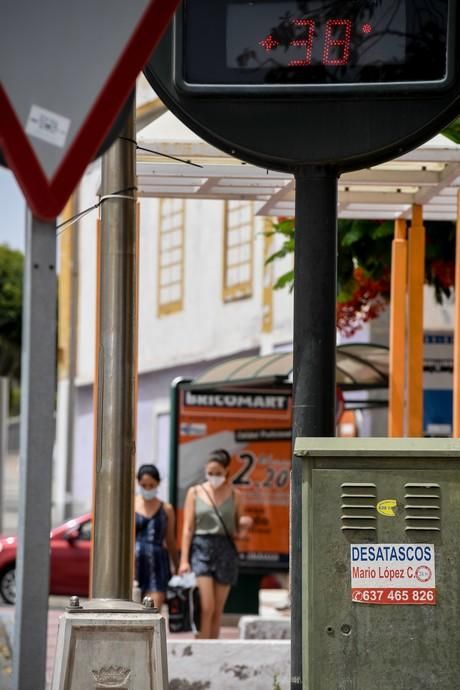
159 153
121 194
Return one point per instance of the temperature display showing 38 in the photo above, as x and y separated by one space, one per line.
315 41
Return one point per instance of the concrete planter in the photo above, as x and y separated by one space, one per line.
262 628
229 664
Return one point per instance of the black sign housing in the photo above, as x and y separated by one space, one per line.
290 83
286 46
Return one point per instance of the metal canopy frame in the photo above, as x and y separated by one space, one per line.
429 175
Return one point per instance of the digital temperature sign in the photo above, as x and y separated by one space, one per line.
312 43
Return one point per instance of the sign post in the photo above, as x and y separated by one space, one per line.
314 387
314 88
36 451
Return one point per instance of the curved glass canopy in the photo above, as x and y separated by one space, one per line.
359 366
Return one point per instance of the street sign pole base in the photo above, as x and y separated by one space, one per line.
110 643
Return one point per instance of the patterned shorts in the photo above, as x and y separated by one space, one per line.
214 556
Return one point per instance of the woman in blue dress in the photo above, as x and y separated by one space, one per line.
156 547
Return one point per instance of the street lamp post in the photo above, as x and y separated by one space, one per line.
116 374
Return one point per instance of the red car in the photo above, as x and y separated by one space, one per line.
70 546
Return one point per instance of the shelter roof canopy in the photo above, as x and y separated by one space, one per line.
360 366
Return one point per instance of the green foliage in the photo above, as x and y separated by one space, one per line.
11 269
287 279
284 228
362 243
364 263
15 399
452 132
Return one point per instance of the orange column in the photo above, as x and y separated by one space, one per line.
415 323
65 288
456 425
397 330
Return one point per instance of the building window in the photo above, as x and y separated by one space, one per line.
171 256
238 250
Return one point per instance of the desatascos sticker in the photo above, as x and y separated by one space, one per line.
393 574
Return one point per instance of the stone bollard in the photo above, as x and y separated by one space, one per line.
111 643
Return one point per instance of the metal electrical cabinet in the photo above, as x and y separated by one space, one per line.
381 564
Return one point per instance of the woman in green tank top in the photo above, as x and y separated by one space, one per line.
212 519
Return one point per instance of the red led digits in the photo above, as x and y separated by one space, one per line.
330 42
337 41
269 43
307 42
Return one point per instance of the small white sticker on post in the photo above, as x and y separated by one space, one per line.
48 126
393 574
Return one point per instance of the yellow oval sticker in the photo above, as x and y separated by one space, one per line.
387 507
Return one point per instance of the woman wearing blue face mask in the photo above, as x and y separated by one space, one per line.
212 519
155 536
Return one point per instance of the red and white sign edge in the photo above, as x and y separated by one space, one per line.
46 198
399 574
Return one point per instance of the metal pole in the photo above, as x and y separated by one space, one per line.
38 380
4 406
112 570
314 395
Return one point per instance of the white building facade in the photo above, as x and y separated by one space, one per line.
204 295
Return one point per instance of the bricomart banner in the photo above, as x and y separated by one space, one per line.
255 428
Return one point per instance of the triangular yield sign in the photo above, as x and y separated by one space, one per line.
66 69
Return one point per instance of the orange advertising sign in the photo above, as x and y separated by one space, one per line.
254 426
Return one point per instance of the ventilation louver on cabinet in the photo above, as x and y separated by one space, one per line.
422 507
359 508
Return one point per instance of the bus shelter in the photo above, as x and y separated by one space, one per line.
244 405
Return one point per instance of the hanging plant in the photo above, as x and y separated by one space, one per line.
368 300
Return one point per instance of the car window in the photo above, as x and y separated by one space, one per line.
85 531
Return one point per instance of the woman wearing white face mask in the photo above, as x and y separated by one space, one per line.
212 518
155 538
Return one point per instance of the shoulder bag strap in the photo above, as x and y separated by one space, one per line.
217 511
